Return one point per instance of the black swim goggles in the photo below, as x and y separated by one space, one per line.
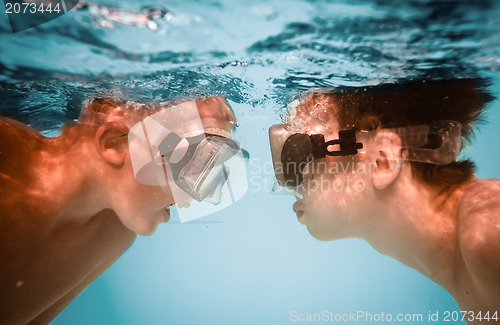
438 143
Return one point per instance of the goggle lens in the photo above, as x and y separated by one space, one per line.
296 154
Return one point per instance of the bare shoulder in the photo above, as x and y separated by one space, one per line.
480 205
479 233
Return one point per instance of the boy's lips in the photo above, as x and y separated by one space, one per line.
298 209
167 214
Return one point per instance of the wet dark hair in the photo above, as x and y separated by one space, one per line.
99 110
414 103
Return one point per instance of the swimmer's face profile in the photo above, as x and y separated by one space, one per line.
336 192
381 163
141 208
74 203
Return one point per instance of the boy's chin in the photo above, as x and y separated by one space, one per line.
319 235
147 232
323 234
144 228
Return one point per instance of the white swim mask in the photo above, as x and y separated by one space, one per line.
204 172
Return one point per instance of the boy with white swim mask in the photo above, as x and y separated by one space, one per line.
71 205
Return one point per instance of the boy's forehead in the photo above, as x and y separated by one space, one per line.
216 113
213 111
102 110
313 114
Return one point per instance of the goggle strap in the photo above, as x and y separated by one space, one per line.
347 143
151 150
147 141
319 148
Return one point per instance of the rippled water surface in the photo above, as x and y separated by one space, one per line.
252 263
257 52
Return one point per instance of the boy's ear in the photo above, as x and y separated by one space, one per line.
389 160
111 142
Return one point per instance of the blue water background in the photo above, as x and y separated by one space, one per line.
252 263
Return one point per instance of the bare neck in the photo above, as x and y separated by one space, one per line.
416 226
